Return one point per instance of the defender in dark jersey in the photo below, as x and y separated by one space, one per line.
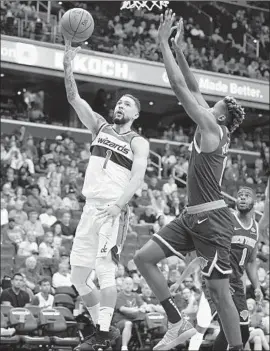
207 224
243 258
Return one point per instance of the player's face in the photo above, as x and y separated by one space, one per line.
125 111
245 201
219 111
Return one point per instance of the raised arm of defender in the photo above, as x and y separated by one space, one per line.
88 117
190 79
199 114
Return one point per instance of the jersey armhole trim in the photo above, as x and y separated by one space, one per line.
99 130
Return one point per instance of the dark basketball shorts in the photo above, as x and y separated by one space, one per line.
209 233
239 299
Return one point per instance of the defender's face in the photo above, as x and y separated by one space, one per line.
245 200
219 109
125 111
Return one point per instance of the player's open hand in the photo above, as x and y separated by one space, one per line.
70 52
177 41
166 22
111 211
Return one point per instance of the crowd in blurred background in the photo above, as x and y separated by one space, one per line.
134 33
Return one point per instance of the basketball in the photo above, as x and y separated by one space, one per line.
77 25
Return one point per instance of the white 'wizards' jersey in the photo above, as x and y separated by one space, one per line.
110 163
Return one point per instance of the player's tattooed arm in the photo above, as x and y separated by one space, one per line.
140 149
190 79
88 117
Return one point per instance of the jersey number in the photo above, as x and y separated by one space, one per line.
108 156
243 258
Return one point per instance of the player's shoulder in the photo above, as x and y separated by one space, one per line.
138 142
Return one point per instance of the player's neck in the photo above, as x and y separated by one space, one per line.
245 218
122 128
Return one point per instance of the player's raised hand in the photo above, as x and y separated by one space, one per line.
70 52
179 37
166 22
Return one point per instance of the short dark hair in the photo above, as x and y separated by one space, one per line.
236 113
17 274
44 280
137 101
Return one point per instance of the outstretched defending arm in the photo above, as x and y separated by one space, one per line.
182 63
199 114
88 117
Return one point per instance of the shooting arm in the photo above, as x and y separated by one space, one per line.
203 118
252 271
189 77
88 117
140 149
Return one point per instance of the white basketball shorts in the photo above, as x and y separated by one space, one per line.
97 237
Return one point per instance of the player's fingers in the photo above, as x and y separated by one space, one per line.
173 29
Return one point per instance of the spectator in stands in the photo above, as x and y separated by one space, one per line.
23 178
25 288
28 246
186 302
158 202
136 282
62 277
47 219
216 37
18 214
47 248
4 212
33 224
30 148
168 160
15 296
143 200
147 216
253 70
169 187
44 299
34 200
242 67
181 167
71 202
120 272
57 234
151 303
119 283
32 271
85 153
68 228
128 307
7 193
13 233
53 199
232 66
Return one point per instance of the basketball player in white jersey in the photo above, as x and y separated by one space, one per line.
115 171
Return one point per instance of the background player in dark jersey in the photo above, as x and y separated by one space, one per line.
206 225
243 258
